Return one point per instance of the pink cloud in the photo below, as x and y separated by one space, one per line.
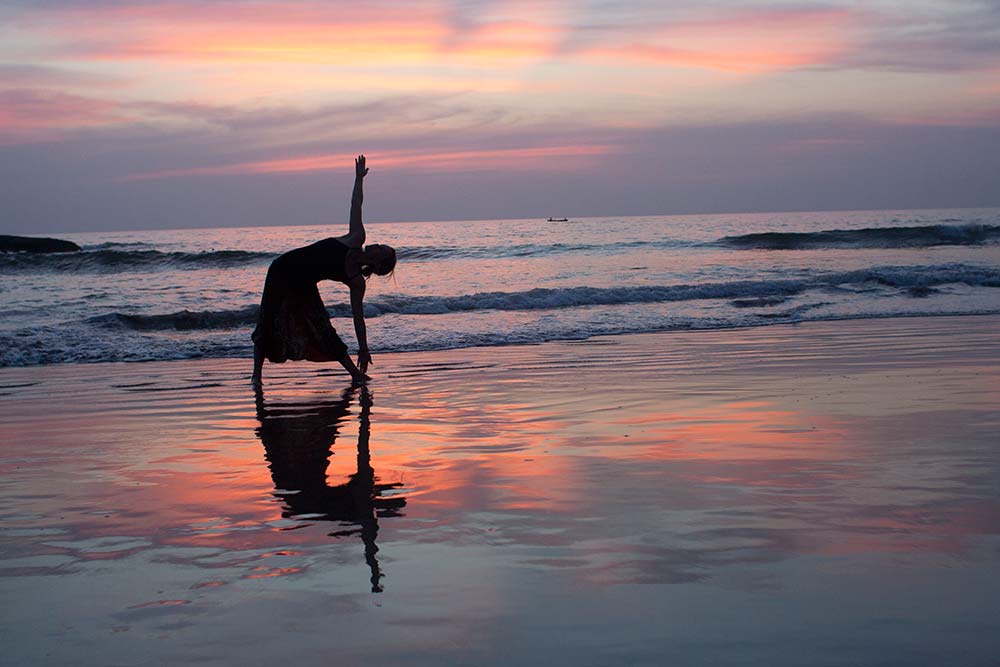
745 41
28 116
543 157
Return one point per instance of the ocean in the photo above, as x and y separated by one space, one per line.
159 295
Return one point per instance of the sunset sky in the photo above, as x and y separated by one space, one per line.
130 115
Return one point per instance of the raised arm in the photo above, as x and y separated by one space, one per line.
357 231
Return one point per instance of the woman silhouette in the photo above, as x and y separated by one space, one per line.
293 322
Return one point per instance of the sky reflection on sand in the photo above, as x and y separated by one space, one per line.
649 497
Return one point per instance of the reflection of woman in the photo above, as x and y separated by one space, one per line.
297 443
293 322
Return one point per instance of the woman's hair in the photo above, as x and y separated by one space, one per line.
384 266
389 264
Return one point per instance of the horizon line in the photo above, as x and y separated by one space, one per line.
540 218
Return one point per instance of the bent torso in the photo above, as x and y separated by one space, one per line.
323 260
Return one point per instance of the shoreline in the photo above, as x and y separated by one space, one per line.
692 330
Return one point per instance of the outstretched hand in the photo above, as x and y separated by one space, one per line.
360 170
364 359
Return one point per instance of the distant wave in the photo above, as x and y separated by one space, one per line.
108 260
915 281
422 253
885 237
184 320
112 245
124 257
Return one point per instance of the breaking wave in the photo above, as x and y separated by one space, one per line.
184 320
915 281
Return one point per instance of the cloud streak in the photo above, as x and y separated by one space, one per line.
32 115
748 41
300 32
727 36
556 158
791 164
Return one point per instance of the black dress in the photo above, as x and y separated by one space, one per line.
293 322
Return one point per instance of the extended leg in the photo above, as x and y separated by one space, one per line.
258 365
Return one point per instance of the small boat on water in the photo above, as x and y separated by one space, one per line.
558 219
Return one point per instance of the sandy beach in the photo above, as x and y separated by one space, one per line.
815 494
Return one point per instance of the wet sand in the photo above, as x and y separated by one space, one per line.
820 494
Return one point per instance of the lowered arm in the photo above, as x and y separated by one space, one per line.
357 286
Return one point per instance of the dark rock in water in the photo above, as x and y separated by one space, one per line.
35 244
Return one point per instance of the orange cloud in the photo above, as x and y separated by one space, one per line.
503 158
314 33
